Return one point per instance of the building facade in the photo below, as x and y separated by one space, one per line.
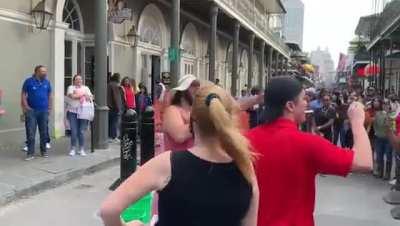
67 48
293 25
380 34
323 59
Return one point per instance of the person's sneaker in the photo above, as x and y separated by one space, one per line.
25 149
45 155
82 152
29 158
48 146
117 141
393 182
72 152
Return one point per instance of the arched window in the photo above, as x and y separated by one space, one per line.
71 15
150 32
189 40
152 26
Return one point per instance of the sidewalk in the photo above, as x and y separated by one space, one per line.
20 179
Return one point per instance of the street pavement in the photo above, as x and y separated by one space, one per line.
74 204
19 179
353 201
356 201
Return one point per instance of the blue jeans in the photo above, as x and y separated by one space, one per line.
33 119
47 134
113 122
382 148
78 128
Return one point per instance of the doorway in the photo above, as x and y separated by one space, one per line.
151 71
79 59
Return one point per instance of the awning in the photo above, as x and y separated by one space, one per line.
361 72
358 64
308 68
372 70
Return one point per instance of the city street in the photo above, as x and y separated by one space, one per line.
353 202
75 204
88 86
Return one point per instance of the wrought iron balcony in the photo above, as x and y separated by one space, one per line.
252 12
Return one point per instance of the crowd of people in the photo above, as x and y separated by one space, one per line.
220 153
123 95
329 119
225 160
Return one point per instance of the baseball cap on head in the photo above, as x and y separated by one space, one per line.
185 82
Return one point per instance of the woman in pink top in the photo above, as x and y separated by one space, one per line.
176 117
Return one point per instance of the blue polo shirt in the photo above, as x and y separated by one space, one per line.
38 92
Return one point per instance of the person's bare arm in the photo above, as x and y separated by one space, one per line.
248 102
326 125
252 214
362 146
154 175
174 125
24 102
72 94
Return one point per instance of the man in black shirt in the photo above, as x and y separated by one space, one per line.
324 118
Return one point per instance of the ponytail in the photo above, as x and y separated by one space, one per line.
232 141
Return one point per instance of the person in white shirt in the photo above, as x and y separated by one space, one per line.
78 94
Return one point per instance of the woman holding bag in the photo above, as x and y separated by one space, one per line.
80 96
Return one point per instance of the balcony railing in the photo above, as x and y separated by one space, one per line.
252 12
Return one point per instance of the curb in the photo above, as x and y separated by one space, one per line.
57 181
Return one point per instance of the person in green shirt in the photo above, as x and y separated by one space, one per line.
382 144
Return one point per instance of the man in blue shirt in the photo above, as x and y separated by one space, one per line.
318 103
36 104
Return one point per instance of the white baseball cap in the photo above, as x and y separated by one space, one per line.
185 82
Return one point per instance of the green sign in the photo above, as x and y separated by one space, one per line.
173 54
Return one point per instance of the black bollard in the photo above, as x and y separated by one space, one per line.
147 136
128 147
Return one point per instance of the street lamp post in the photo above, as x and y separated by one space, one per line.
41 15
133 36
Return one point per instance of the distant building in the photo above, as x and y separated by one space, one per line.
293 21
323 59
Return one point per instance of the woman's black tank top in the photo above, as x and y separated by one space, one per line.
203 193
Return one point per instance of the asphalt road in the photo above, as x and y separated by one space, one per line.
356 201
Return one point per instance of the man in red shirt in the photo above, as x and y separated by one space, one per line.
289 159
